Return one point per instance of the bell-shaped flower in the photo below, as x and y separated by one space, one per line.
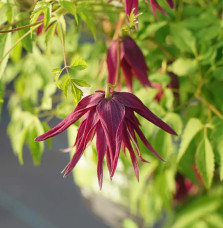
132 62
114 123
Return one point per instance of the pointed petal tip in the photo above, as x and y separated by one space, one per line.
37 139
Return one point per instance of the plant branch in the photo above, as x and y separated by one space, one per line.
18 41
22 27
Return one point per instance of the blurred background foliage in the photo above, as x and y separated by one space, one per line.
38 85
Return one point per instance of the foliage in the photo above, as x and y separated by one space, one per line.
45 75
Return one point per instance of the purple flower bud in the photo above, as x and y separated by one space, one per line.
114 123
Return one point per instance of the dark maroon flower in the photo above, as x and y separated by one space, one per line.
174 85
114 123
155 6
129 6
184 188
133 63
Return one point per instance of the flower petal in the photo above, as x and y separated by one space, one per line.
130 5
127 73
111 114
126 141
131 101
80 110
134 57
170 3
133 138
112 62
155 6
88 134
101 146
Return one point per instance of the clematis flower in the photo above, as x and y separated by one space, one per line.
132 62
114 123
155 6
184 188
129 6
174 84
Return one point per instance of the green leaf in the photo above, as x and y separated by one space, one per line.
152 28
70 7
1 95
49 90
36 148
50 34
205 161
87 17
27 41
65 84
41 7
217 141
128 223
218 73
192 128
184 66
5 42
175 121
57 72
80 83
76 92
160 78
78 64
201 207
183 38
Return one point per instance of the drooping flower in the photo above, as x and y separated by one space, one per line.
132 62
174 85
130 5
114 123
184 188
155 6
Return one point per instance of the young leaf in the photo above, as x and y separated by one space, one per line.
65 84
80 83
183 38
87 17
57 72
78 64
70 7
192 128
76 92
5 42
205 161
